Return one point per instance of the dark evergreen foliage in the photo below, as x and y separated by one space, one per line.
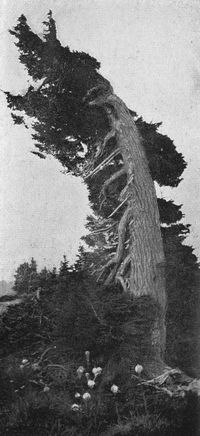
169 212
63 122
26 278
165 163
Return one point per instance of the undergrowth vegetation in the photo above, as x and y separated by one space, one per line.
62 370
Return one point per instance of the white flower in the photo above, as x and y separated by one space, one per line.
138 369
35 366
87 375
87 355
77 395
75 407
114 389
24 361
80 371
86 396
46 389
97 371
91 383
21 366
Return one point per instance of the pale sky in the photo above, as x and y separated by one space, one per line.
150 52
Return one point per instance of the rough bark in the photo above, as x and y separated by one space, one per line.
144 258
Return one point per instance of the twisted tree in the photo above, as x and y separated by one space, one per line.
78 119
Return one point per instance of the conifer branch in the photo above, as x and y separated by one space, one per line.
103 229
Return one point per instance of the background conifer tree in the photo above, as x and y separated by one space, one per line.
26 278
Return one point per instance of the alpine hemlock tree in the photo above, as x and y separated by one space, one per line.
77 118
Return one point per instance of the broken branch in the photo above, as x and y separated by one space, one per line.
108 182
117 208
105 162
107 138
120 248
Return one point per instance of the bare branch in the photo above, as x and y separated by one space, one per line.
124 191
117 208
42 84
44 354
95 313
108 182
103 229
124 265
122 233
56 365
107 138
120 273
120 248
104 163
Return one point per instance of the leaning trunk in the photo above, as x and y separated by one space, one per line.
140 268
146 276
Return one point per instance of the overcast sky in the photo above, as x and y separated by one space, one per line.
150 52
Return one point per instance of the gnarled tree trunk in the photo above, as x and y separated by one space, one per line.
140 268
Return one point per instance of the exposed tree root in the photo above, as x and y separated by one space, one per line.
163 377
184 383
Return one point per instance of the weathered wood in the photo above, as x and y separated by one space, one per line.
145 251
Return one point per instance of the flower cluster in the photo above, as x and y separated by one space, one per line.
90 377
